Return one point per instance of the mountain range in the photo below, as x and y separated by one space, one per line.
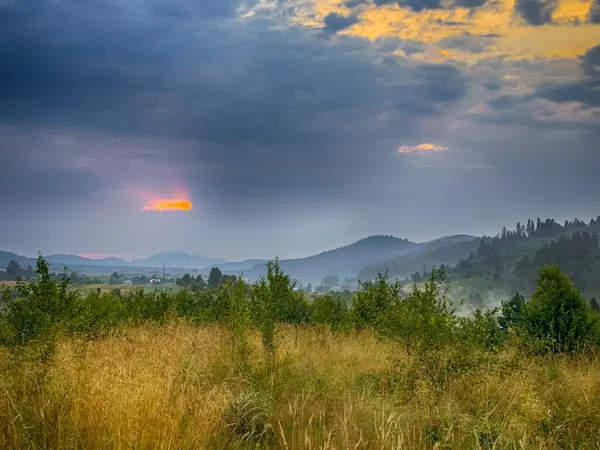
345 262
472 258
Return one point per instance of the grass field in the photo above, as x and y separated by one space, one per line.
173 387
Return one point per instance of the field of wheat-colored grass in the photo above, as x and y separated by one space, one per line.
174 387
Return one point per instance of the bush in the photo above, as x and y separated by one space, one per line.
557 318
330 310
40 310
422 321
373 300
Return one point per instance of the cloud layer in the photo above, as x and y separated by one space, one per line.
274 112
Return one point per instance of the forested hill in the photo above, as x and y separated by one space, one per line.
446 251
510 261
344 261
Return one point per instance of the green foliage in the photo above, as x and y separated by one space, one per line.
331 310
264 315
238 322
373 300
482 330
41 309
214 278
274 300
512 312
558 318
421 322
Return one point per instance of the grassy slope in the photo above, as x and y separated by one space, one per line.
167 387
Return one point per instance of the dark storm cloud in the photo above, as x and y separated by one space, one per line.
504 102
585 91
595 11
38 187
469 3
415 5
536 12
263 106
335 22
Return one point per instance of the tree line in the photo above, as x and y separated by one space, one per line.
556 318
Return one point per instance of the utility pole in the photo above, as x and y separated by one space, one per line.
164 276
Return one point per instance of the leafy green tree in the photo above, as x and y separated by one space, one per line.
557 317
330 310
331 281
238 322
373 299
422 321
512 312
274 300
214 278
185 281
200 283
40 309
13 270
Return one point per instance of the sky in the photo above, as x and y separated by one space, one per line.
288 127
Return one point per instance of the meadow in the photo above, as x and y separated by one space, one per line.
174 386
158 371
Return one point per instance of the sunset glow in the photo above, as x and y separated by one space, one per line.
169 204
421 148
178 199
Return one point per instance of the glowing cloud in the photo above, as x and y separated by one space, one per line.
169 204
421 148
177 200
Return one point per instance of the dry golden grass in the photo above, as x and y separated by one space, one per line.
173 387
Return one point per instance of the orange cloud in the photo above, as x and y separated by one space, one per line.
569 35
169 204
421 148
177 200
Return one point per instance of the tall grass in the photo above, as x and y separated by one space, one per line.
175 386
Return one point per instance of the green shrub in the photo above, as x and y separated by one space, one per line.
330 310
557 318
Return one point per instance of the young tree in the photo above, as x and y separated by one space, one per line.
557 316
273 300
512 311
214 278
330 310
238 321
13 270
373 300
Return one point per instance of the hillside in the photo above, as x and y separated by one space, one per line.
75 261
178 260
23 261
236 266
447 250
344 261
509 262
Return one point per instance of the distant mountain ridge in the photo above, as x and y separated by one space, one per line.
447 250
178 260
344 262
74 260
237 266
